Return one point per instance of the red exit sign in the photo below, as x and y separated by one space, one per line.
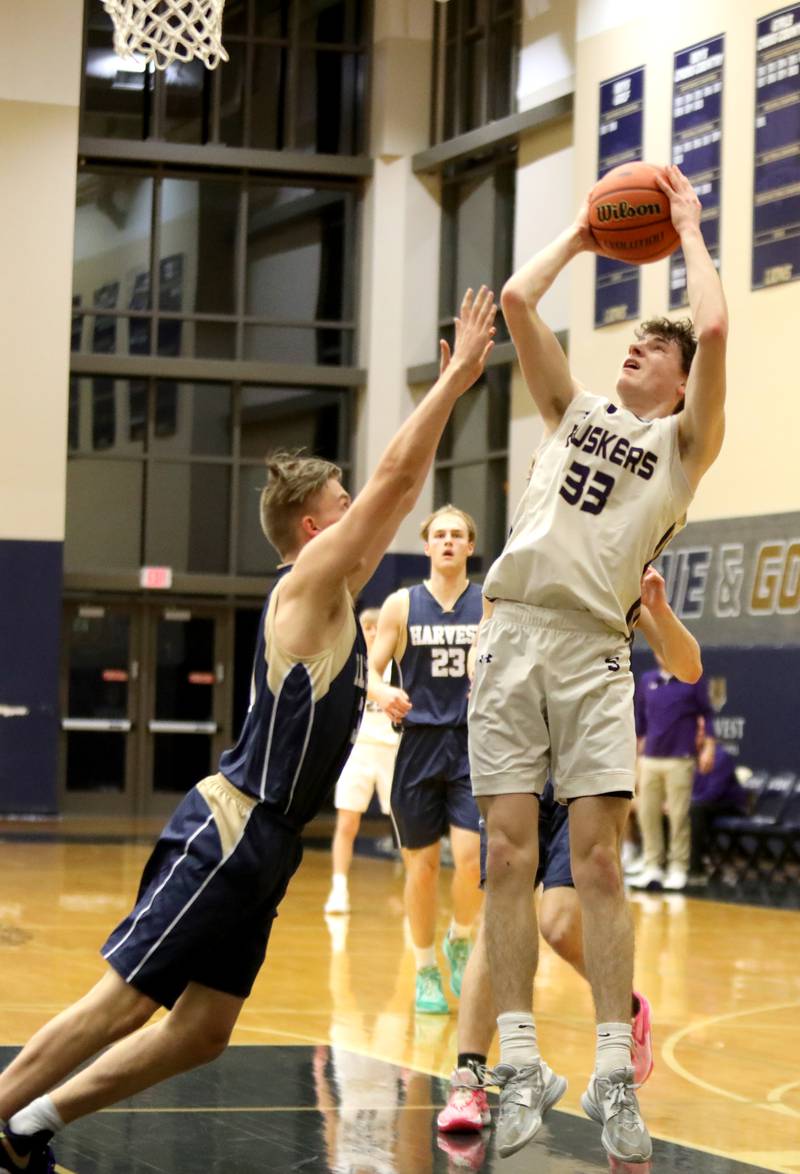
155 578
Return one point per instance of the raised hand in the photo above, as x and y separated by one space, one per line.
582 230
684 205
475 332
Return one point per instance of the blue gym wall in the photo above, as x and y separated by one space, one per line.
30 622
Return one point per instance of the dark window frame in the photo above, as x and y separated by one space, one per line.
149 457
157 86
154 318
459 27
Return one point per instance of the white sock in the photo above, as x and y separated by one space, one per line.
424 956
339 882
614 1042
459 931
518 1043
39 1114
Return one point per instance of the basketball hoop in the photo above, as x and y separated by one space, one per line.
163 31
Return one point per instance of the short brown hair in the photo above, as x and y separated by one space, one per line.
291 480
468 520
680 331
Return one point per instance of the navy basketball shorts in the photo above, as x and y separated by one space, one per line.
431 788
554 871
208 897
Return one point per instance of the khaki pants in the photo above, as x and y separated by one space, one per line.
670 779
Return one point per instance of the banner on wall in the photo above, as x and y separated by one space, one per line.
776 177
736 581
616 296
696 143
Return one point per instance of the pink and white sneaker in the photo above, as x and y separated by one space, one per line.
467 1109
642 1050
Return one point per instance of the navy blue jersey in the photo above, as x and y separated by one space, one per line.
302 721
433 667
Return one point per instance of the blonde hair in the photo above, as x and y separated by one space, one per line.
370 616
467 519
291 480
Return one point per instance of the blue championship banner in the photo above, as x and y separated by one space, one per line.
735 582
616 284
696 145
776 179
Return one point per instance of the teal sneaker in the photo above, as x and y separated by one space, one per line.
430 998
456 951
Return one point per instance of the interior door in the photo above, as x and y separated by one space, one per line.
98 708
186 700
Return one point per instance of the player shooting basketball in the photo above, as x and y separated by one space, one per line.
553 686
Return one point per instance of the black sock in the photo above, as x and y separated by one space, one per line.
25 1143
473 1060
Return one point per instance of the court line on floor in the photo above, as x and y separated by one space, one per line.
777 1094
211 1109
677 1037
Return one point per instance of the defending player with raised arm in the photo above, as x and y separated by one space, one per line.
610 487
198 934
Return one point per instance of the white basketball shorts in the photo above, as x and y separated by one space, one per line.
553 692
369 768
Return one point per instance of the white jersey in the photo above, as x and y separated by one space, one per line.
606 494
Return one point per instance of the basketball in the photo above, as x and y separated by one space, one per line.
629 215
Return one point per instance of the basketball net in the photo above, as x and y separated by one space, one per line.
163 31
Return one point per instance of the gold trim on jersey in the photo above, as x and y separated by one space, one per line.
322 669
402 639
230 807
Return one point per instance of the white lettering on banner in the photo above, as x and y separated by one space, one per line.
730 728
686 573
730 578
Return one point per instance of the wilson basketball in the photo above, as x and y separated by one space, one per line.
629 215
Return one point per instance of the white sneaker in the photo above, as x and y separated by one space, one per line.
648 878
675 880
611 1101
338 901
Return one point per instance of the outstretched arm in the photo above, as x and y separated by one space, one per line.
393 617
664 632
702 423
541 358
343 557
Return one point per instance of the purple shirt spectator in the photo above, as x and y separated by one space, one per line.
666 712
720 785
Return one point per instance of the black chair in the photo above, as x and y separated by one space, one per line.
737 839
783 840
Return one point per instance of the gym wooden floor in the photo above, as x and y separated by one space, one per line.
723 980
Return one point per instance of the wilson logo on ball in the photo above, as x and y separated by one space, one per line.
623 210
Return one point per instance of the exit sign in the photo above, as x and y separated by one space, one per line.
155 578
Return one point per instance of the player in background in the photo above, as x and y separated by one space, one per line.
369 769
610 487
428 630
559 911
209 894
